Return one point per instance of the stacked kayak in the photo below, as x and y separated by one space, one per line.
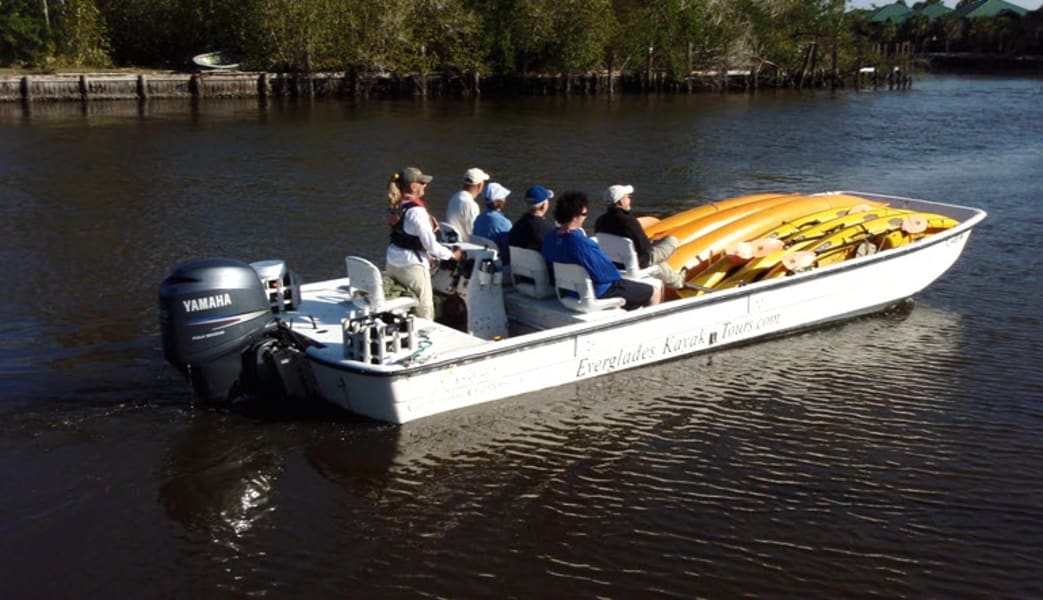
741 240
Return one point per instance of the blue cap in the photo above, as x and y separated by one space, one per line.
538 194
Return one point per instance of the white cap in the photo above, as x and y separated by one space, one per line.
494 192
475 175
615 193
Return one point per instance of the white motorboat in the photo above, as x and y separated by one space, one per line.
235 328
220 60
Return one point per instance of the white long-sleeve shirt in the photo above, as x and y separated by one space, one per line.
417 222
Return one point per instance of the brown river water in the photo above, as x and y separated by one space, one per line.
893 456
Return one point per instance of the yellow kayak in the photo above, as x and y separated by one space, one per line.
695 255
757 266
702 226
893 231
662 227
740 254
796 226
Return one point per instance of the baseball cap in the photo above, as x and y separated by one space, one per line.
538 194
495 191
475 175
414 175
615 193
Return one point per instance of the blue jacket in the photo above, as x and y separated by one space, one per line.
494 225
575 248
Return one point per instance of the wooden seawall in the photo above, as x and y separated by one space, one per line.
84 87
129 86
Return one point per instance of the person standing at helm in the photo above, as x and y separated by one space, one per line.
463 209
413 238
617 220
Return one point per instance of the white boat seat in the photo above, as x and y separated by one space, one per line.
529 273
485 242
447 234
621 251
574 278
367 288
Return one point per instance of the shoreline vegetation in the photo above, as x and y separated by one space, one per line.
143 84
122 49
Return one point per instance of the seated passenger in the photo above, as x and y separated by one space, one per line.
530 230
462 209
617 220
568 244
492 223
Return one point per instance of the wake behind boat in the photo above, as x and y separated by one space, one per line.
237 329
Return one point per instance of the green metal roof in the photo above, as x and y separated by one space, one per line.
988 8
896 12
933 11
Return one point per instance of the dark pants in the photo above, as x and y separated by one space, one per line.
636 294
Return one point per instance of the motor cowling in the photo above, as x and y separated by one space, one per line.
210 311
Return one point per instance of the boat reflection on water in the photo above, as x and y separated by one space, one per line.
905 359
853 388
222 474
220 477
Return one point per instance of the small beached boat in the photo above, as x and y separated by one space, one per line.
237 329
216 60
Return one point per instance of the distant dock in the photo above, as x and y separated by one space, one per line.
86 87
143 86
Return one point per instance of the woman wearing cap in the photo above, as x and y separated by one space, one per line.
413 238
492 223
617 220
530 230
568 244
462 209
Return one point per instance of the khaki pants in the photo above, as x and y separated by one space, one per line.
418 279
662 249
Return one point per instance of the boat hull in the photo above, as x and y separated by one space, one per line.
220 61
491 371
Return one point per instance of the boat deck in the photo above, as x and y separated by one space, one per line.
325 304
547 313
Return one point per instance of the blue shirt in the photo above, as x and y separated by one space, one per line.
575 248
494 225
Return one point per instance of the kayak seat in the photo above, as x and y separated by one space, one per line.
575 290
367 288
529 273
621 251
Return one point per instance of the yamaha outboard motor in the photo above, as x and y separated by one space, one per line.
211 310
